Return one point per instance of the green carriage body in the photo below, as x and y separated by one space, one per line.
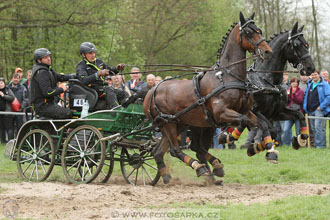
86 147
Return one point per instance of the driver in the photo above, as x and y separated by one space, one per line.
91 71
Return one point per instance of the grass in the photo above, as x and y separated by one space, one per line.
293 207
302 166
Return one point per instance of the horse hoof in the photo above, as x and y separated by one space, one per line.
223 138
220 172
272 157
166 178
302 142
218 183
304 136
202 171
251 151
295 144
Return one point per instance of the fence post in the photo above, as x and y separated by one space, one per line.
307 123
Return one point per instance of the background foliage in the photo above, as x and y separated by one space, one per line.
139 31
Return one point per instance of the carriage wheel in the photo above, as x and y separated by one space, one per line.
83 154
107 169
36 156
138 168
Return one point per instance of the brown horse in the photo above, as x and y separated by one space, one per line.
215 98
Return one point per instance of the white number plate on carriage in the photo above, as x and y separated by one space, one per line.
78 102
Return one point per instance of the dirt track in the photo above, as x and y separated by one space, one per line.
60 201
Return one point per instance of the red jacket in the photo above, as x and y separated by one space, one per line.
295 98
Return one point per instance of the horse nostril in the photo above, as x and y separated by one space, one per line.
268 52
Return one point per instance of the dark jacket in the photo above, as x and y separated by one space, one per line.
323 93
87 74
8 98
43 85
21 94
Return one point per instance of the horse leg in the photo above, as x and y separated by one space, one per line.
267 142
200 143
171 133
288 114
158 153
233 117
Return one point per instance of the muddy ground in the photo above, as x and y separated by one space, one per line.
49 200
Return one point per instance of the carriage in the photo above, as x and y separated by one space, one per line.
87 147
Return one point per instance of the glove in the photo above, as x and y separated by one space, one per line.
120 66
104 72
130 100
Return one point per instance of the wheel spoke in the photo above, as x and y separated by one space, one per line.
75 173
94 153
89 140
143 179
43 168
93 161
43 147
29 145
41 136
131 173
150 165
27 167
74 148
147 173
34 141
88 169
37 170
26 160
136 176
32 172
78 142
83 173
73 165
89 150
26 152
45 161
74 156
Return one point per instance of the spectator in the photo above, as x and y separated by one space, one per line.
6 97
20 72
316 103
143 92
325 75
303 82
158 79
286 82
43 87
295 102
120 89
91 71
21 94
28 77
216 144
108 80
135 84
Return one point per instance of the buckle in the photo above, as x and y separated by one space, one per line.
201 101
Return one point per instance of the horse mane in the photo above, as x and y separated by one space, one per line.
275 35
224 40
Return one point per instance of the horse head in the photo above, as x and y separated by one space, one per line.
297 50
250 37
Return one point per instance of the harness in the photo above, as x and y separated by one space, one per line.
201 100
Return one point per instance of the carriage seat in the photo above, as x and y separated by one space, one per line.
78 93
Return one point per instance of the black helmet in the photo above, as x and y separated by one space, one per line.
40 53
87 47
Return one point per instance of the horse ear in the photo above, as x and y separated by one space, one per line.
301 28
252 16
295 28
241 18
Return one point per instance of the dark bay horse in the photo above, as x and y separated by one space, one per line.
271 101
270 98
215 97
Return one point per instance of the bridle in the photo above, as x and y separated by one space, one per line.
291 39
255 29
